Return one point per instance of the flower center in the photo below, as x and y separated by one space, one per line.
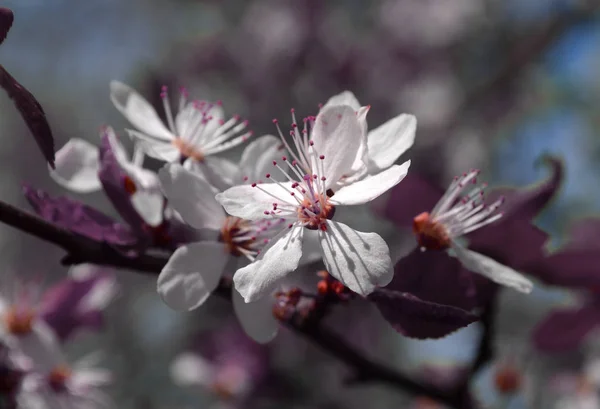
430 234
507 379
454 216
233 237
246 238
187 150
313 214
19 321
58 377
129 186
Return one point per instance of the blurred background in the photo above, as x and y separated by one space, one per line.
493 84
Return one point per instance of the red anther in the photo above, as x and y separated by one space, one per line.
274 163
323 178
19 321
268 175
507 379
129 185
430 235
283 158
266 212
315 177
290 225
294 163
321 157
58 377
245 122
293 193
221 122
311 143
253 185
338 287
292 110
322 287
245 178
275 121
219 102
294 125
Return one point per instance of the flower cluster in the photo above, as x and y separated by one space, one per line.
34 328
264 221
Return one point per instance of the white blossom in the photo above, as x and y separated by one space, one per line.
305 201
194 135
451 219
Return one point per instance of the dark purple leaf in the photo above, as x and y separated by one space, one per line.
526 203
420 319
568 268
512 242
6 20
434 276
62 309
79 218
113 179
409 198
565 330
32 113
584 234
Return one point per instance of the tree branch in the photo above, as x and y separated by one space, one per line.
84 250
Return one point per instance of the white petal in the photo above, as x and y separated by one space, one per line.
220 172
149 205
257 158
42 347
343 98
361 261
311 248
148 200
279 258
192 274
91 377
185 120
499 273
157 149
77 166
192 197
256 317
191 369
138 111
387 142
250 203
337 135
370 187
116 146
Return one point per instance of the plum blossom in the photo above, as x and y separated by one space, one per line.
384 144
79 166
306 201
195 269
453 217
194 135
54 383
227 363
22 327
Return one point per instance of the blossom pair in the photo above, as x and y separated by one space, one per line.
32 327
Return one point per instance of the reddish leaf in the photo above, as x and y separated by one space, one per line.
6 20
32 113
79 218
419 319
